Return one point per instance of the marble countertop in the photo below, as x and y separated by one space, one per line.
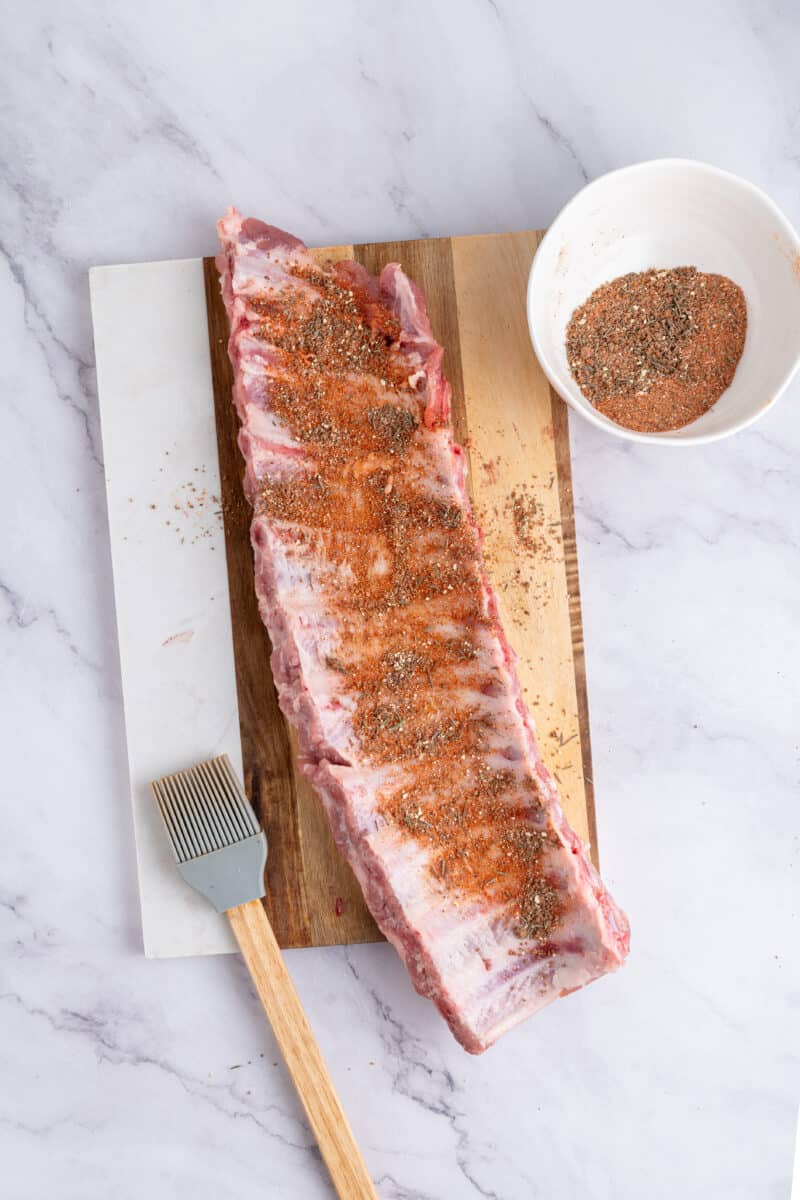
126 130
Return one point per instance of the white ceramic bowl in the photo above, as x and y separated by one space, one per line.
674 213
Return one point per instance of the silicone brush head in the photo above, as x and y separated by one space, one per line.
218 844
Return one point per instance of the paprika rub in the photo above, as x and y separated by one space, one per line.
654 350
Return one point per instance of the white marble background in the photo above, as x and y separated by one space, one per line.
126 129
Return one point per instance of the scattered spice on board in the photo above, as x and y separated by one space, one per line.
533 533
655 350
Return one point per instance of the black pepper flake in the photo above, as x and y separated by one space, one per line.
539 909
394 426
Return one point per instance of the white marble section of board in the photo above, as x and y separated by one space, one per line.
170 575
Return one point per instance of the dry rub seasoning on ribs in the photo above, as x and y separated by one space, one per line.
388 652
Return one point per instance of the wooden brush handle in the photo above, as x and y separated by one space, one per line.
302 1054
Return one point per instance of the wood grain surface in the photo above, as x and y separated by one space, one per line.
516 432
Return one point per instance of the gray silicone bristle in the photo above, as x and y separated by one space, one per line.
215 835
204 809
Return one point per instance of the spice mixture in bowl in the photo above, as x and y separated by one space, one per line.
688 281
655 350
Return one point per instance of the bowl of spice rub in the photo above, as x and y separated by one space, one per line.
664 302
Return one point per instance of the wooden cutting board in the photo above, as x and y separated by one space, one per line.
516 432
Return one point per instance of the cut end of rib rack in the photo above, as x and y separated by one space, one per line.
205 809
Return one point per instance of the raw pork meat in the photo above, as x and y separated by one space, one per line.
388 654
